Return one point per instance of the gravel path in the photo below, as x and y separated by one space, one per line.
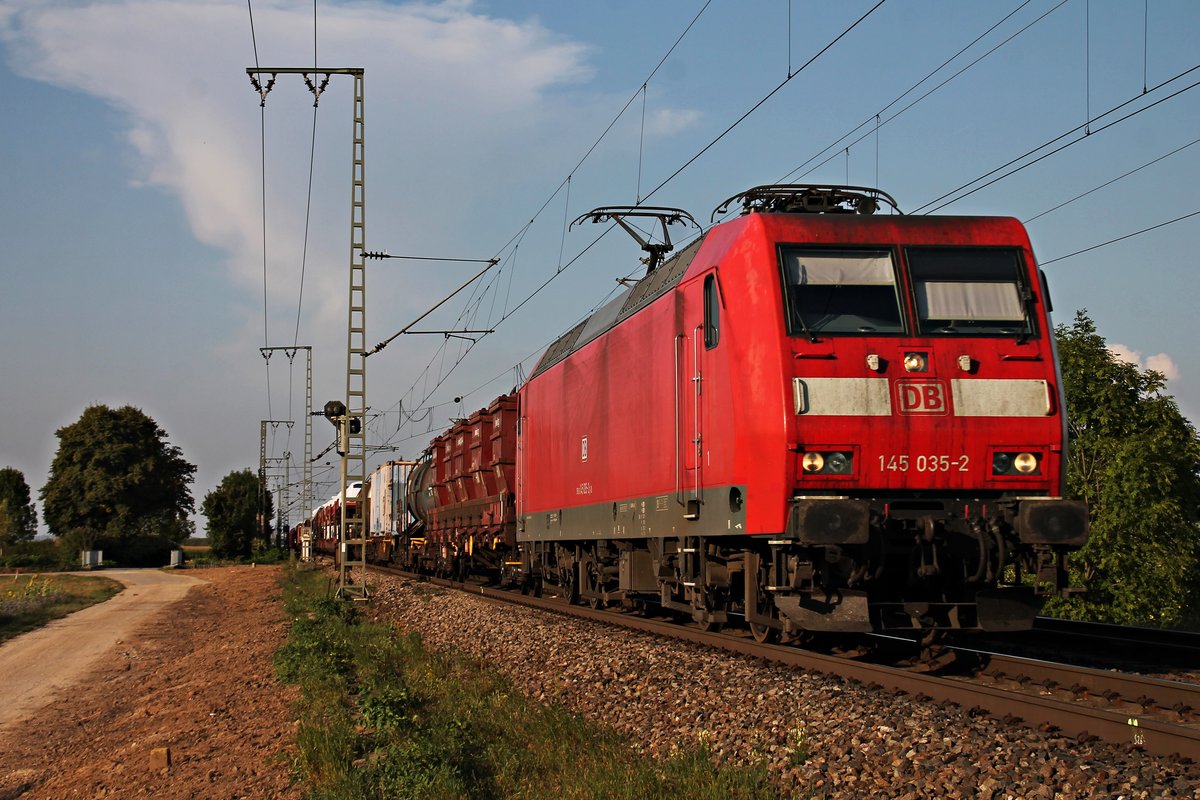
823 737
46 662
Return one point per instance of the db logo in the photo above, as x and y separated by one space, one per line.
921 398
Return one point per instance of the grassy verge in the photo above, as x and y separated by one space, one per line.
381 717
30 601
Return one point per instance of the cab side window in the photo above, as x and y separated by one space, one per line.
712 312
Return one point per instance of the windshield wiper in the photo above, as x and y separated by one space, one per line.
812 337
1027 299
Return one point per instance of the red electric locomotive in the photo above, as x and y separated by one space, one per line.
813 418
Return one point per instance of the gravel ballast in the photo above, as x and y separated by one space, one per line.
822 737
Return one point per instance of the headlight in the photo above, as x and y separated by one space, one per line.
1016 463
828 462
915 362
837 462
1026 463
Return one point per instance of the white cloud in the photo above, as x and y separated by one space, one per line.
1160 362
670 121
458 108
1163 363
468 127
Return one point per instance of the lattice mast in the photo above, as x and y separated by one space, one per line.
351 422
354 457
307 493
262 469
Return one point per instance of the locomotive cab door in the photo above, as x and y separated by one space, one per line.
698 332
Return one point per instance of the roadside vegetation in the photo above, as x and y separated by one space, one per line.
30 601
239 513
1135 458
382 717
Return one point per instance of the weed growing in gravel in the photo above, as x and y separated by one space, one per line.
382 717
797 745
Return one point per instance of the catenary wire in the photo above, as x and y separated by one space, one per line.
954 199
1110 182
1121 238
676 173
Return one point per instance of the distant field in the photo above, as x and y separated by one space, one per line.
30 601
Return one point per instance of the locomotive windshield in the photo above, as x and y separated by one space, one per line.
840 291
969 290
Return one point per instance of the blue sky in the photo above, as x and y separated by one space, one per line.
131 210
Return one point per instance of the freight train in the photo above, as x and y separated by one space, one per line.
812 418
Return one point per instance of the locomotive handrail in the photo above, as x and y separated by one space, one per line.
792 198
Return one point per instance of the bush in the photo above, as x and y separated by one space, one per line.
138 551
40 554
69 545
132 551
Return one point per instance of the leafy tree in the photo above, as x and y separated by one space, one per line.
236 523
15 492
1135 459
8 526
115 473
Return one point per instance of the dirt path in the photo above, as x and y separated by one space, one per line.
188 680
42 663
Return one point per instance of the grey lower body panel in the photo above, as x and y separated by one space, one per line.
717 511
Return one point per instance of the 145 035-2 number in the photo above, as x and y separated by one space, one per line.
923 463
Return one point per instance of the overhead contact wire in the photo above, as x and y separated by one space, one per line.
312 153
838 142
1111 182
262 128
566 181
671 177
954 199
1122 238
767 97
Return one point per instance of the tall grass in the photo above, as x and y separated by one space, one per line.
30 601
380 717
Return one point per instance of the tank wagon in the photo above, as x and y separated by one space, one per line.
811 418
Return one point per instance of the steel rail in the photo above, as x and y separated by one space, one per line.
1127 727
1185 643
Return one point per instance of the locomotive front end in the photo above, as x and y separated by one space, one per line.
926 423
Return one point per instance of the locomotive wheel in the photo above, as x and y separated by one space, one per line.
703 603
764 634
568 585
591 581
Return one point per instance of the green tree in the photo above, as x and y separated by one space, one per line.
239 515
115 473
1135 459
8 526
23 514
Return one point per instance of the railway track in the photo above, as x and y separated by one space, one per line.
1147 714
1146 650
